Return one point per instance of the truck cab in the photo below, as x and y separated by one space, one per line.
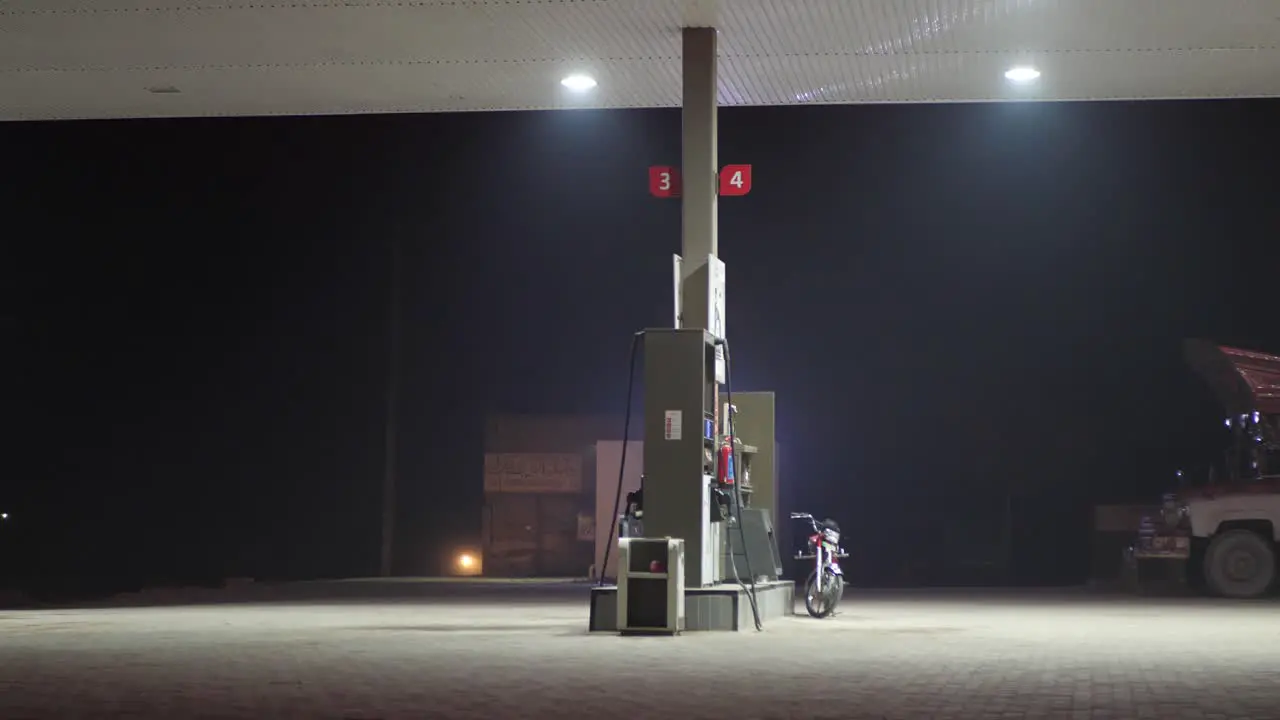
1226 530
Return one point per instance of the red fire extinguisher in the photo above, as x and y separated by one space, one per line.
724 469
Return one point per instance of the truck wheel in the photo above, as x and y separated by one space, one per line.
1240 564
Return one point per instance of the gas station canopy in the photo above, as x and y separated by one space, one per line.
168 58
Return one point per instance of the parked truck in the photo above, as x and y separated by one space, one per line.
1223 530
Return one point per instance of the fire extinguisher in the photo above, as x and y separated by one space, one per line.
724 469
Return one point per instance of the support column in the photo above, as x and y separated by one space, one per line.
701 272
699 164
680 390
699 241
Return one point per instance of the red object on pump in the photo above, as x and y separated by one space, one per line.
723 476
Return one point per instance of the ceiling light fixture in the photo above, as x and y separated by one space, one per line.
579 83
1022 74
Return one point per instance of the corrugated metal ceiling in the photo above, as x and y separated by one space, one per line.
125 58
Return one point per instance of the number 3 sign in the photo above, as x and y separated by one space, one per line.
664 182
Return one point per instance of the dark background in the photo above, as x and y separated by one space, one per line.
955 303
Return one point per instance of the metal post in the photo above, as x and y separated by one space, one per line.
391 428
699 167
699 164
699 240
677 494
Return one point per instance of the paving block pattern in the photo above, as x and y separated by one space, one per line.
959 656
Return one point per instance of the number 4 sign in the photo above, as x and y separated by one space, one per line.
735 180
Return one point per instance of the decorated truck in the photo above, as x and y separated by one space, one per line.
1223 530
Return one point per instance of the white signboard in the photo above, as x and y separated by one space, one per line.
608 460
673 425
715 308
715 304
676 263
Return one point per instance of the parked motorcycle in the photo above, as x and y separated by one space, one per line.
825 586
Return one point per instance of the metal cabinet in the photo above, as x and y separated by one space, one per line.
651 586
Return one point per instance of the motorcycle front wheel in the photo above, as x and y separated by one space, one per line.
821 604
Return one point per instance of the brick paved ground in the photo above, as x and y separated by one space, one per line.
513 655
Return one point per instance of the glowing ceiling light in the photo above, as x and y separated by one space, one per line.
1023 74
579 83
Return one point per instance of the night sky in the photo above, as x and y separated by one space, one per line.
954 303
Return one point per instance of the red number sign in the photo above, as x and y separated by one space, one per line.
735 180
664 182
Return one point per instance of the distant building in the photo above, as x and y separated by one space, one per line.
550 484
540 504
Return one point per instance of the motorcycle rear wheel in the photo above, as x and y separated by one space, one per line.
821 605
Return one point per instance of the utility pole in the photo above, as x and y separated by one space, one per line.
391 426
1007 540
